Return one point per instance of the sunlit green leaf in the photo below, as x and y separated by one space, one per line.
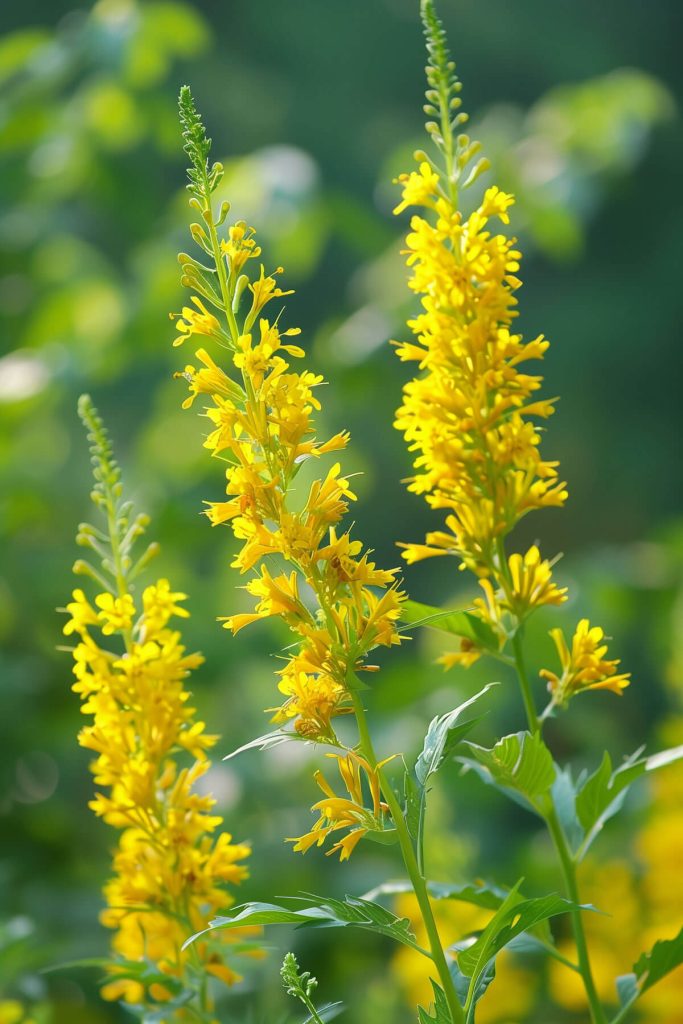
664 957
322 913
603 793
520 765
458 623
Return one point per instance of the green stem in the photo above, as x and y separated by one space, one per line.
562 849
220 265
569 871
411 865
311 1009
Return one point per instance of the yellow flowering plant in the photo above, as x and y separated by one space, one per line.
172 863
472 418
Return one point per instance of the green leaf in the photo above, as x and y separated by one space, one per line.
462 983
564 798
327 1012
317 912
481 894
514 916
442 737
265 742
520 765
664 957
457 623
442 1013
602 795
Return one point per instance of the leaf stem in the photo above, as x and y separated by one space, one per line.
416 877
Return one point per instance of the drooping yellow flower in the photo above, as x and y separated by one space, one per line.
261 411
584 666
346 813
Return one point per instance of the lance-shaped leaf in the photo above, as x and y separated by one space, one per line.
603 793
462 624
520 765
318 912
443 735
327 1012
515 916
265 742
480 894
664 957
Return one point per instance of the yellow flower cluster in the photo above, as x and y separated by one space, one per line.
584 666
472 416
346 812
262 424
170 865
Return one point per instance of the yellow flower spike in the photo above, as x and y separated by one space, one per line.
171 863
584 666
262 414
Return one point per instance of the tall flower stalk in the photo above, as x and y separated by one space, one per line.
473 419
172 862
303 565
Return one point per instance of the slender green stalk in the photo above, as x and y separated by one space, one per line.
562 849
416 877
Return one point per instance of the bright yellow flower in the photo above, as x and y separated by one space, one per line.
262 414
171 864
346 813
193 322
584 666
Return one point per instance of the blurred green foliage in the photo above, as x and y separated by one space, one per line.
316 107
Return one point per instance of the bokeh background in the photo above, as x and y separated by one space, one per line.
315 107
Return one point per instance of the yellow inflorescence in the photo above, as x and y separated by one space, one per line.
170 865
473 419
346 813
584 665
470 416
338 603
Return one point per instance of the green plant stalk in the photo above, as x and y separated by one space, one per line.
416 877
311 1009
562 849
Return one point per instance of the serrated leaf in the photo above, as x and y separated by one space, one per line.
520 765
457 623
664 957
515 916
603 793
443 734
442 1013
318 912
481 894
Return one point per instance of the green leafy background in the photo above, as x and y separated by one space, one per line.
315 107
